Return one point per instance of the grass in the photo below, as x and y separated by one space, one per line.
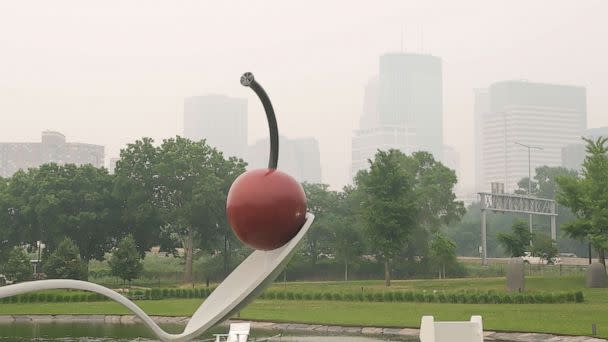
570 319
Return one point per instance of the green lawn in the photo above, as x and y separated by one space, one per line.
575 319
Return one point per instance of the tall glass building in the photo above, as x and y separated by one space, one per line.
411 94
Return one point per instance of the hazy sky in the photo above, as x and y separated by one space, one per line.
109 72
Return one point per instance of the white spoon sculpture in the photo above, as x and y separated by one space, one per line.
247 281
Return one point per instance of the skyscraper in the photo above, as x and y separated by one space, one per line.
220 120
402 109
411 94
546 116
52 148
298 157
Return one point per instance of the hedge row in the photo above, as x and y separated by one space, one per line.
153 294
490 297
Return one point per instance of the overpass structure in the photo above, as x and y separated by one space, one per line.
500 202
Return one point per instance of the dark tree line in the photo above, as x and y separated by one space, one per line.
174 194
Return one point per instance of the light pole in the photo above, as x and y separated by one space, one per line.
529 147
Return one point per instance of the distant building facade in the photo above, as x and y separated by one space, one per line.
402 109
573 155
547 116
298 157
52 148
367 142
411 94
220 120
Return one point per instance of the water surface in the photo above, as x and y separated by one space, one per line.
103 332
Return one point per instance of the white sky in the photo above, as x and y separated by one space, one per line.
109 72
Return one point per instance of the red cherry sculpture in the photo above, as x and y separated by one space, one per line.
266 208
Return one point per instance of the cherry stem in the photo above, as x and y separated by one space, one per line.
248 80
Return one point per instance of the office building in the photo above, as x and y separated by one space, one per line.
300 158
52 148
402 109
573 155
546 117
220 120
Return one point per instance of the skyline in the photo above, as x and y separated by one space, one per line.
112 84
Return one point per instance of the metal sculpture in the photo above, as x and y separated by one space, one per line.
257 271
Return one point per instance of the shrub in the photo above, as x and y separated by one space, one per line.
290 296
388 296
336 296
378 297
32 298
318 296
307 296
578 297
419 297
327 296
41 297
271 295
408 296
298 296
398 296
280 295
50 297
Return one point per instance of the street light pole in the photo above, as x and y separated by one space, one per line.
529 147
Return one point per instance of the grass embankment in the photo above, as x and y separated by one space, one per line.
574 319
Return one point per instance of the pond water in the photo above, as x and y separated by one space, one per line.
100 332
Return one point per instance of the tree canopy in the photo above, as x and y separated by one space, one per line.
587 197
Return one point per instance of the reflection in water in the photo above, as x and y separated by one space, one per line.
101 332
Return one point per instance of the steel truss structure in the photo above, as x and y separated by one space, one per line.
498 202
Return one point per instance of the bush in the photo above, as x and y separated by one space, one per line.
290 296
307 296
327 296
298 296
388 296
578 297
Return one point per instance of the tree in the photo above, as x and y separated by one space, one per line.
389 204
126 262
179 190
345 229
322 203
543 247
134 188
544 185
53 201
443 252
17 267
65 262
587 197
517 242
